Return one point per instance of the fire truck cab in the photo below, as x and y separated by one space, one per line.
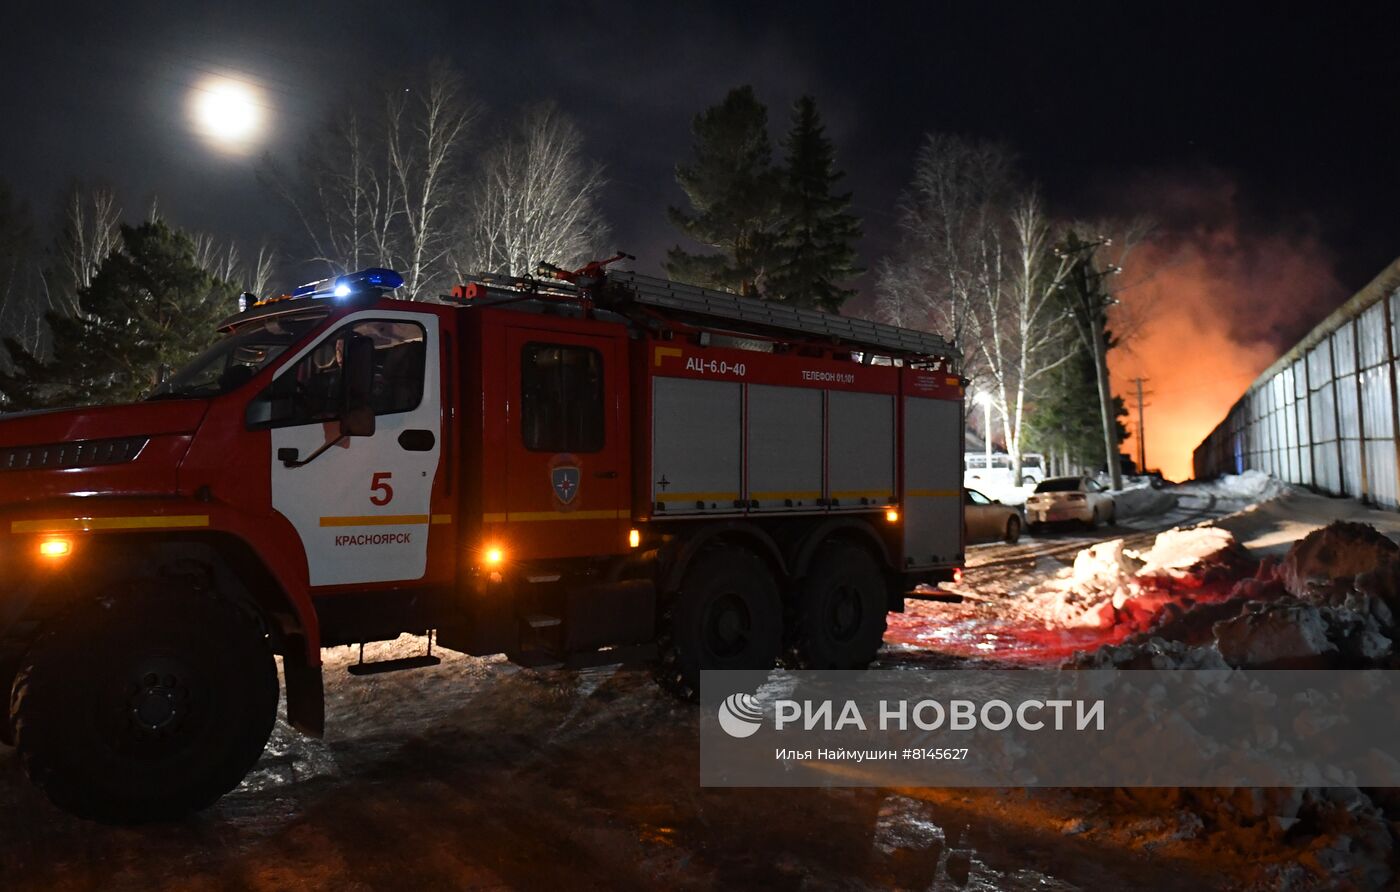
593 468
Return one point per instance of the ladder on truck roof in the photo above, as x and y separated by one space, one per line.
620 290
773 317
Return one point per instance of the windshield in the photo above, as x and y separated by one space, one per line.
1060 484
236 358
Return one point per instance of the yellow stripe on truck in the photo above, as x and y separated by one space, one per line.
517 516
92 524
375 520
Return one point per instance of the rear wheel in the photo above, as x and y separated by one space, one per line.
727 615
839 618
147 704
8 668
1013 529
1093 521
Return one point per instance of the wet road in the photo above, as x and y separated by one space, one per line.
478 774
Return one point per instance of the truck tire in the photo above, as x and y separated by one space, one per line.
144 705
7 682
728 614
839 616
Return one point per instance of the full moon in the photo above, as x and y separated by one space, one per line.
227 113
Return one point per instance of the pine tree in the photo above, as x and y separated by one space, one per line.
1066 420
149 305
816 249
734 197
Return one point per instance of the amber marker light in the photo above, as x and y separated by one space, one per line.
55 548
634 538
957 576
892 515
493 556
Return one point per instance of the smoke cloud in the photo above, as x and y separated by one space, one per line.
1210 302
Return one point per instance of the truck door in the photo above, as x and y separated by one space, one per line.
362 508
565 463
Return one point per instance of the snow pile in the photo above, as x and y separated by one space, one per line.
1332 603
1085 594
1109 583
1141 496
1177 552
1343 553
1248 488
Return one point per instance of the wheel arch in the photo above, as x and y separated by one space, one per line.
686 546
221 562
851 529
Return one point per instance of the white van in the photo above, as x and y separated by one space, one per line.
976 474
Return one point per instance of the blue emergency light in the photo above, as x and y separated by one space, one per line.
373 280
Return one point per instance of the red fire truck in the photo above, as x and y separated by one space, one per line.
588 468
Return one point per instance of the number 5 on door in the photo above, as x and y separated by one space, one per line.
379 485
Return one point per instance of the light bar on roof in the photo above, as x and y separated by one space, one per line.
374 279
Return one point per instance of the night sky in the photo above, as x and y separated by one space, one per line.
1265 142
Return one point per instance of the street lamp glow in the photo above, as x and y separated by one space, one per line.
228 113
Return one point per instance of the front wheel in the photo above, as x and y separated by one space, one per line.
7 682
727 615
146 704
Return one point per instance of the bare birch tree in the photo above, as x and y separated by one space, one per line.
535 199
424 138
376 187
91 230
1041 336
257 274
342 195
218 259
950 259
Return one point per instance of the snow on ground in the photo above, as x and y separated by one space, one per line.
1194 597
478 774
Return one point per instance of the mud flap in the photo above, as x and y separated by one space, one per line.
306 701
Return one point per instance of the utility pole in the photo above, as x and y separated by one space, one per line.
1141 431
1090 303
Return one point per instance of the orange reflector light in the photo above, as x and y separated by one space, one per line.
957 575
494 555
892 515
56 548
634 538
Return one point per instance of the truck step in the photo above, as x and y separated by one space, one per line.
627 655
537 659
543 621
398 665
931 594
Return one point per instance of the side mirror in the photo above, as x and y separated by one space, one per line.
357 422
357 416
